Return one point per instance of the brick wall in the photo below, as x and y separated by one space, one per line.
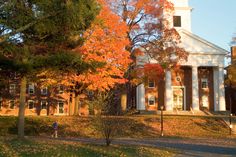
52 99
183 77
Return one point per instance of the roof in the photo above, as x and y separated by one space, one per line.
197 45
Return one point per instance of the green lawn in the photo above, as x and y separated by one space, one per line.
11 147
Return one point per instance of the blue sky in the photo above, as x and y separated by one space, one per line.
214 20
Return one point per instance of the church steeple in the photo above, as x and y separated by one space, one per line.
182 15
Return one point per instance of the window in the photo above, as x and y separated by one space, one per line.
31 104
12 104
177 21
44 104
90 93
151 84
60 107
60 89
178 78
151 100
31 89
44 91
12 88
204 83
0 103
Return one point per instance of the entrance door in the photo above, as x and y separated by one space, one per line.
178 98
205 101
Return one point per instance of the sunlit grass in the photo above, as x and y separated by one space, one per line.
129 127
11 147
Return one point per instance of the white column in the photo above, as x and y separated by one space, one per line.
216 88
221 105
169 92
195 90
140 94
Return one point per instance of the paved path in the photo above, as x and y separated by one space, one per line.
196 147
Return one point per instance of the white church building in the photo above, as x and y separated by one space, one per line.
198 85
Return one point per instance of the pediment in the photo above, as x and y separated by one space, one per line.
197 45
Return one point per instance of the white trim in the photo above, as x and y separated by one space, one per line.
31 86
184 8
41 104
216 87
221 90
152 96
168 91
140 93
153 83
223 51
184 97
195 88
206 81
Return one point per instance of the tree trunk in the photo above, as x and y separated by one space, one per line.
76 109
21 114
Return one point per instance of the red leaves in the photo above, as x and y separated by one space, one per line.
153 71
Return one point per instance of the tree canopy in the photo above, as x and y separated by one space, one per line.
231 69
38 35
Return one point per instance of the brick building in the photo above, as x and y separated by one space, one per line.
55 100
198 85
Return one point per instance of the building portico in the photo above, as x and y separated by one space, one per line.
191 88
198 84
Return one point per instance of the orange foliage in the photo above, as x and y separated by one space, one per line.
148 71
143 17
105 42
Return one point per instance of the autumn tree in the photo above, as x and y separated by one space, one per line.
149 23
105 42
231 69
149 30
104 53
32 29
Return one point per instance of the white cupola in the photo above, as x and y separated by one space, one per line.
182 15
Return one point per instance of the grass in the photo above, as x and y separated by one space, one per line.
132 127
32 147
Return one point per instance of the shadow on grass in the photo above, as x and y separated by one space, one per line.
136 128
131 127
212 125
